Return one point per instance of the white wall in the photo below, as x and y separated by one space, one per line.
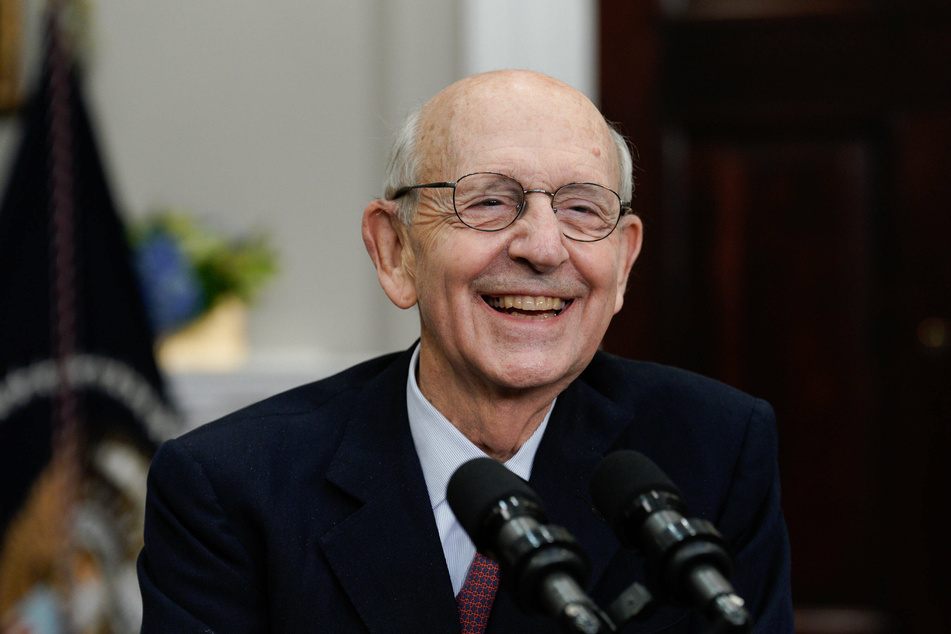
264 114
277 114
556 37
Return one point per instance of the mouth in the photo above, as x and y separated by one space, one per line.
527 306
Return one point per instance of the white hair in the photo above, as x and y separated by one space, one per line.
402 166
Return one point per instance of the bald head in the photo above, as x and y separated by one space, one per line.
514 311
494 105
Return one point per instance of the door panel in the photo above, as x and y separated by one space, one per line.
793 184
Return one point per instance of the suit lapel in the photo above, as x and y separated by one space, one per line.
387 555
583 427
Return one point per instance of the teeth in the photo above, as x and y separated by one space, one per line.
527 302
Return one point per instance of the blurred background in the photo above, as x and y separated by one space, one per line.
791 180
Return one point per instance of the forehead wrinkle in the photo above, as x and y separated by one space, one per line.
533 167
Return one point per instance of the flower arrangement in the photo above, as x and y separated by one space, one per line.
185 270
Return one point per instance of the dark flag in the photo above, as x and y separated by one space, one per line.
82 403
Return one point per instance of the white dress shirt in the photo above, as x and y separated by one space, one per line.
442 449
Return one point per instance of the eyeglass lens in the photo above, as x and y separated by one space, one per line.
490 202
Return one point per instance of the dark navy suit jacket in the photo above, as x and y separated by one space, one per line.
308 512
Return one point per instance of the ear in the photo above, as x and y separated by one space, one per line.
631 237
386 241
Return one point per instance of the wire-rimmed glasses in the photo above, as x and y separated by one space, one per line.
488 201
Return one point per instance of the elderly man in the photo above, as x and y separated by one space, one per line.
506 222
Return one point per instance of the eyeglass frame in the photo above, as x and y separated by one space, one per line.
625 206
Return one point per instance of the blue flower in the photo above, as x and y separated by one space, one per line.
171 289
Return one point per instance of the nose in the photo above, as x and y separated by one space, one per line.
538 239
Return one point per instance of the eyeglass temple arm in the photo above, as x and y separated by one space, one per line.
402 191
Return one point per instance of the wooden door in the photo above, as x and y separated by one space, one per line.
797 205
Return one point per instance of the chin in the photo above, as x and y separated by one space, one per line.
538 373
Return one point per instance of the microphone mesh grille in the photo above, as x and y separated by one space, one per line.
476 487
623 476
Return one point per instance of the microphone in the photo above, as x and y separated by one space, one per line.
686 559
544 564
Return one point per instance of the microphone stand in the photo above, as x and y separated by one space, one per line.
576 613
726 613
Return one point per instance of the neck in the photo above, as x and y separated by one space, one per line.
495 419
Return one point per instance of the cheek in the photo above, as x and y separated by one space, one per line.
602 276
453 257
427 286
599 268
442 273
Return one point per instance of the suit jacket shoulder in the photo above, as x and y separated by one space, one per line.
694 427
719 446
307 508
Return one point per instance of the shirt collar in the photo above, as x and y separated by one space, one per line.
442 448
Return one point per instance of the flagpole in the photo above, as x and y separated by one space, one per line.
67 431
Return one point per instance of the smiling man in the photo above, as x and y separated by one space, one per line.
507 222
513 298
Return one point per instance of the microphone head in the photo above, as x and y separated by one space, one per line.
686 559
475 491
620 479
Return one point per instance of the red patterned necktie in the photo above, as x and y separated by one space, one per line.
477 593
